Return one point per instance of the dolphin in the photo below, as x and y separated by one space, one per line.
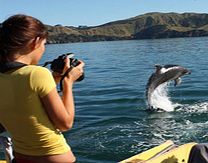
164 74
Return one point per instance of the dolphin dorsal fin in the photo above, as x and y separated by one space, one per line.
158 69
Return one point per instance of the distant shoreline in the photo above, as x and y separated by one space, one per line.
147 26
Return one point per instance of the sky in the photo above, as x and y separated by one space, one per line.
94 12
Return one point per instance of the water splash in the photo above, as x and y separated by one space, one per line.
160 99
199 107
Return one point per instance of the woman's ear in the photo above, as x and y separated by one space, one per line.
35 43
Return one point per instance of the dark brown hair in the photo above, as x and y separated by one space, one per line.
17 33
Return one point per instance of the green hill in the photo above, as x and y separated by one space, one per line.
147 26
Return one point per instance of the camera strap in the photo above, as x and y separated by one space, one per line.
64 75
7 66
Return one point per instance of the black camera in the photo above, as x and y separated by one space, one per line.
57 65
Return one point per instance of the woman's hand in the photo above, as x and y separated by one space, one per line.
57 77
74 74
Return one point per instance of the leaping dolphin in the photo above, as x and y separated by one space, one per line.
161 75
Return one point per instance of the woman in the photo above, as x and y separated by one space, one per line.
31 110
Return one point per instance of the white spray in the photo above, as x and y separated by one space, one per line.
160 99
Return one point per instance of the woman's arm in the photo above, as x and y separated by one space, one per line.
61 111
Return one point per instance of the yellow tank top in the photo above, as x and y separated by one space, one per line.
23 115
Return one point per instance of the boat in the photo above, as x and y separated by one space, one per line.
167 152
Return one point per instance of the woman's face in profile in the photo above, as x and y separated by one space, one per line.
39 51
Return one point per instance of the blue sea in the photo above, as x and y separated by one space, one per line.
112 122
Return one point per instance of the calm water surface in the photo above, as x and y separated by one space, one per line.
111 121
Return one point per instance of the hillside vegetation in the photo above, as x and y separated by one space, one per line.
147 26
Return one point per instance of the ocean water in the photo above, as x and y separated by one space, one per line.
112 122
